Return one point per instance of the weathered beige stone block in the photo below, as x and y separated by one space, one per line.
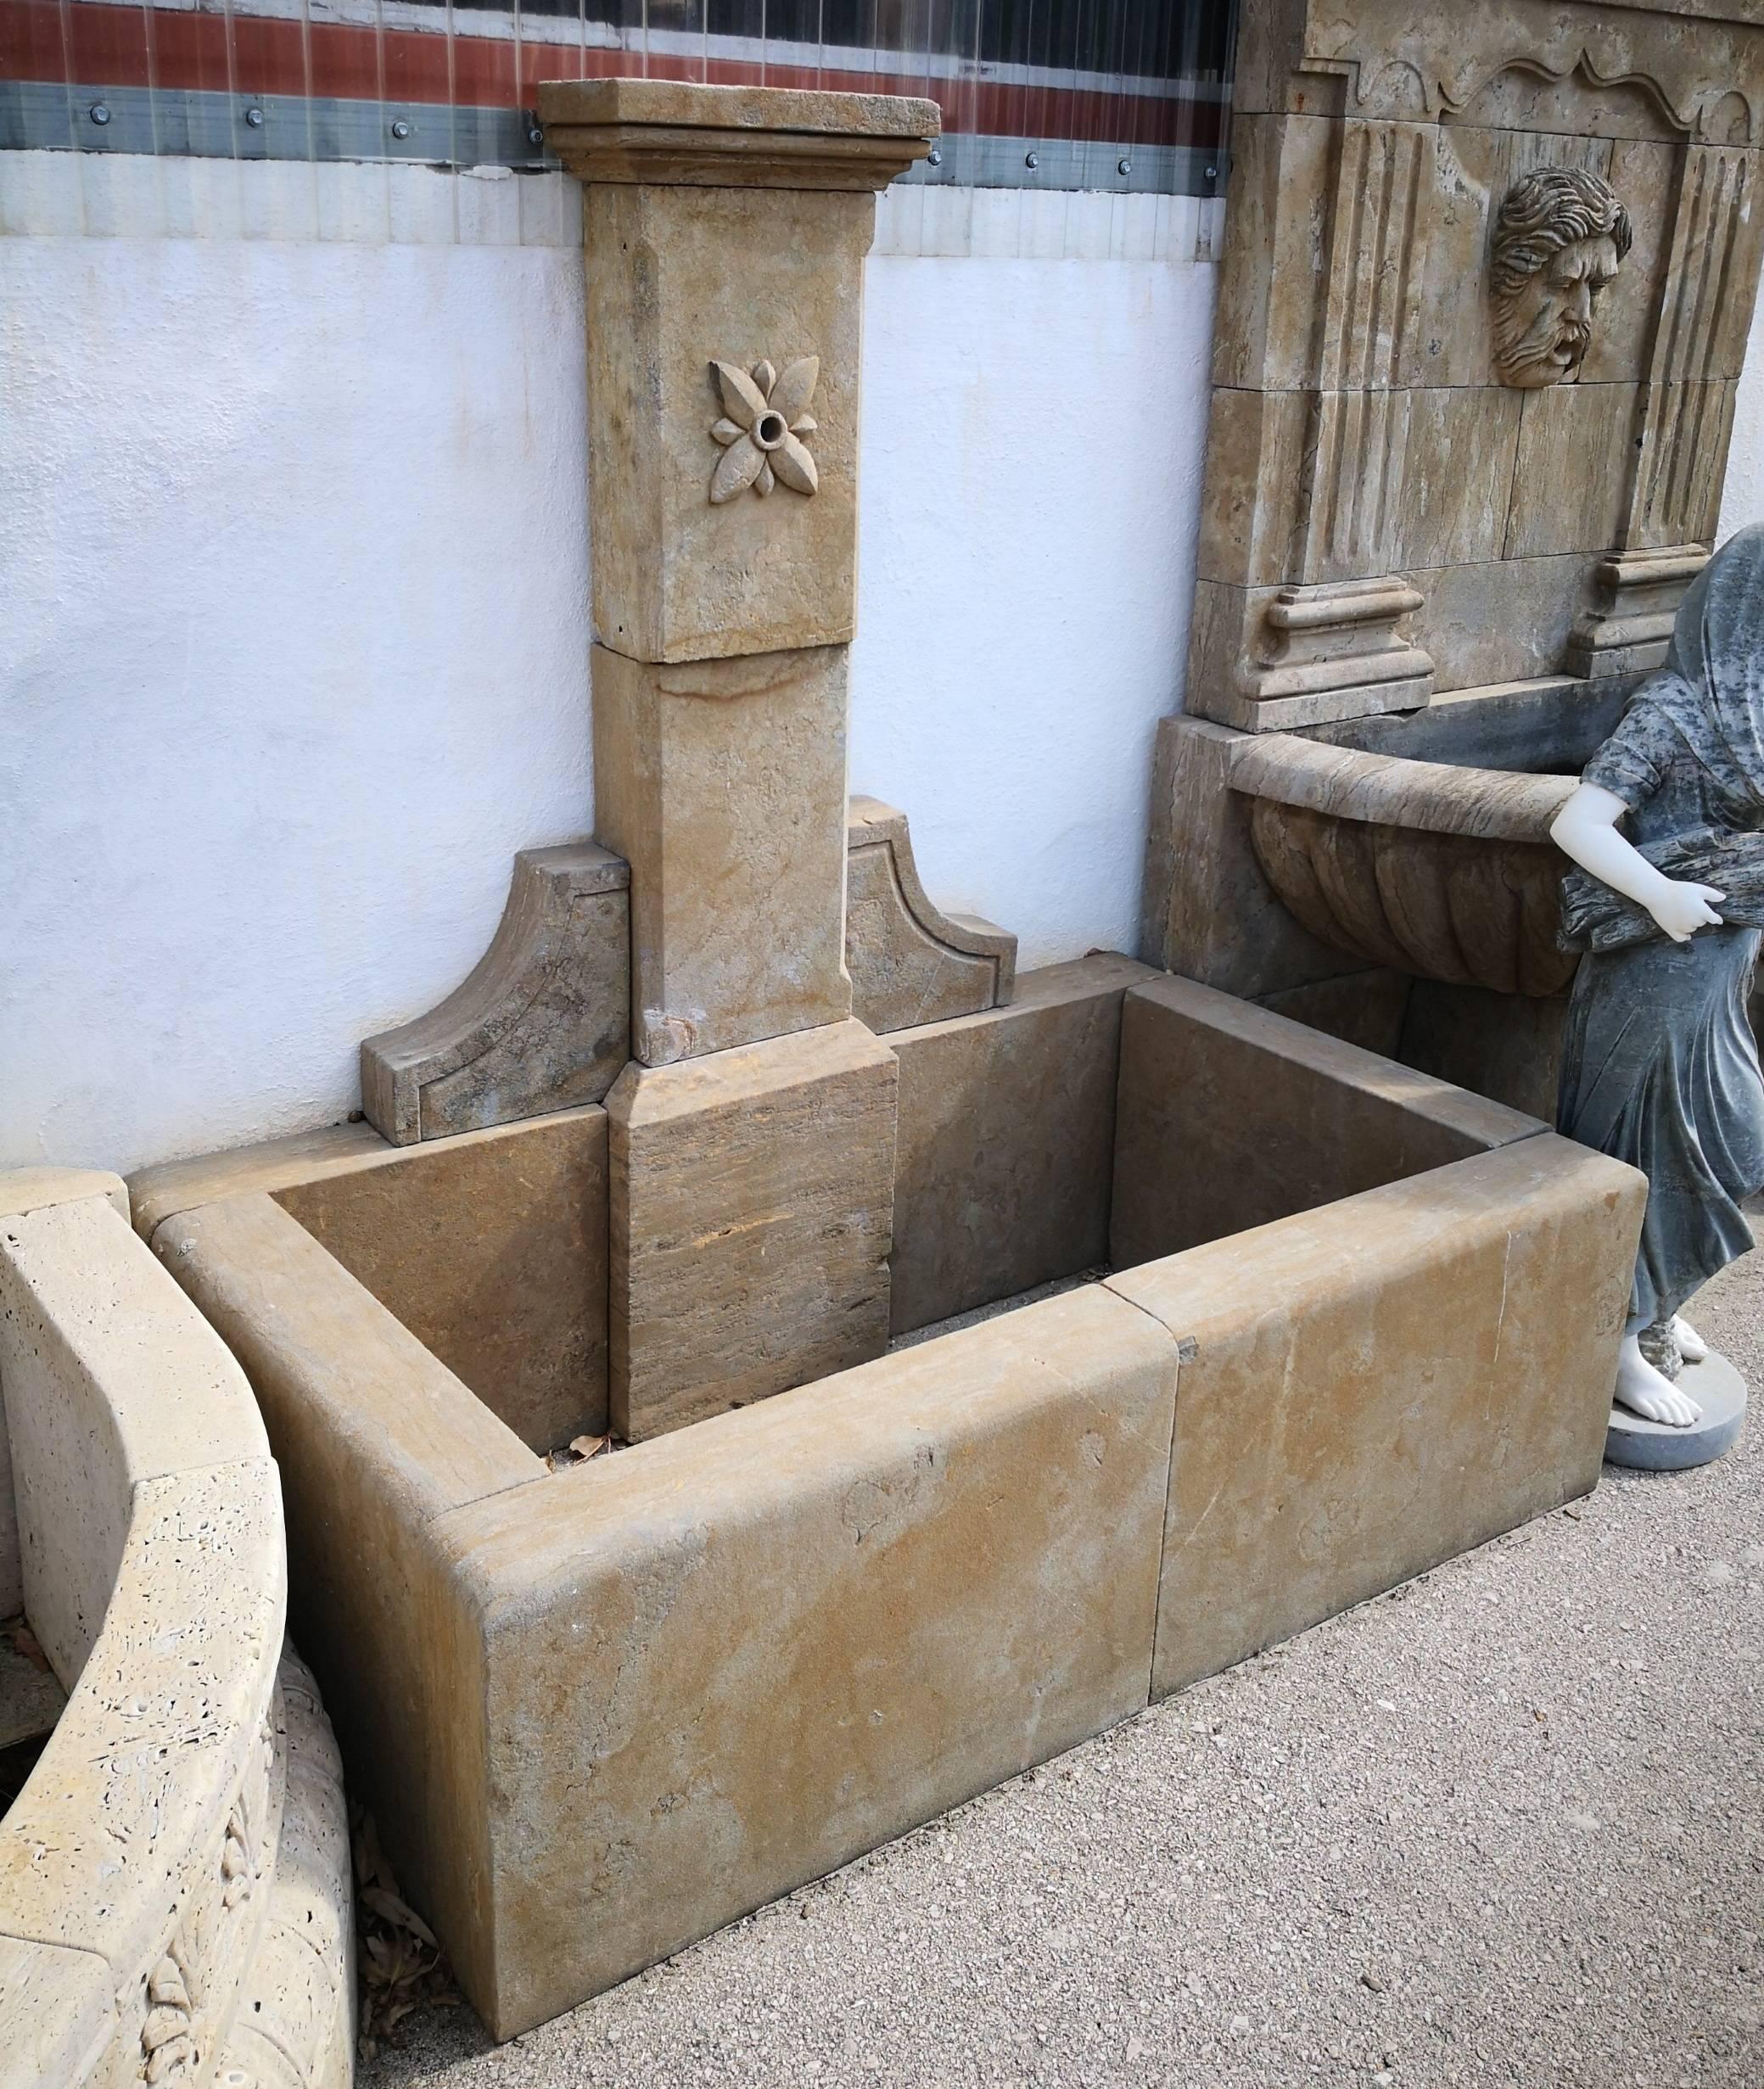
909 962
490 1247
680 278
1645 172
1685 431
1506 621
725 1662
31 1189
542 1022
725 315
1007 1141
1457 475
676 131
751 1202
1253 505
1275 228
1232 1117
1328 1443
1208 910
1571 480
722 782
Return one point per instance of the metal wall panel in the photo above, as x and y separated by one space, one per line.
1062 94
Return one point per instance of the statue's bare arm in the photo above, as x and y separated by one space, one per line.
1585 829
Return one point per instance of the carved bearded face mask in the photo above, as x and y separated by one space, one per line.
1560 238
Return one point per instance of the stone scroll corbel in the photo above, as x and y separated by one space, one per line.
542 1022
910 963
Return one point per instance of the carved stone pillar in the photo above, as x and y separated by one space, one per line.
725 231
751 1137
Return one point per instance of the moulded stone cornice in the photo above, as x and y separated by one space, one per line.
675 134
1702 67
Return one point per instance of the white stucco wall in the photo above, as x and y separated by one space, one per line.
293 588
1743 497
293 577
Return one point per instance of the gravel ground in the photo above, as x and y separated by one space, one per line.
1504 1825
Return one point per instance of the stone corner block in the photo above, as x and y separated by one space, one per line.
771 1642
909 962
541 1023
751 1221
1329 1445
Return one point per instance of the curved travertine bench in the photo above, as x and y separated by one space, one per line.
174 1877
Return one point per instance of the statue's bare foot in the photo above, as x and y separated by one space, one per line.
1649 1393
1691 1346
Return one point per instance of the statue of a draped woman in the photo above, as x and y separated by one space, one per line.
1659 1066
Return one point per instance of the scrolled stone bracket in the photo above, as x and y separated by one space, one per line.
910 962
541 1023
1327 651
1638 594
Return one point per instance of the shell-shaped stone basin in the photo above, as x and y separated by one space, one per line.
1444 872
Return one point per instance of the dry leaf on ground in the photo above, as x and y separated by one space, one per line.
402 1966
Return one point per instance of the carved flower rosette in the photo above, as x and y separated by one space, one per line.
765 415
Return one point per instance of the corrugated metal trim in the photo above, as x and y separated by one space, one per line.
684 49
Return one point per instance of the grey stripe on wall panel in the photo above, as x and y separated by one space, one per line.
43 117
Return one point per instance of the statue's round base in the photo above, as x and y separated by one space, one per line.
1656 1446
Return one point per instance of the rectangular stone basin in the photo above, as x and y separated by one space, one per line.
1335 1322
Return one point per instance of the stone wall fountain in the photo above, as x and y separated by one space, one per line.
1487 283
660 1544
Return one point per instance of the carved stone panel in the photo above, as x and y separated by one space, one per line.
683 283
1555 246
1488 278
